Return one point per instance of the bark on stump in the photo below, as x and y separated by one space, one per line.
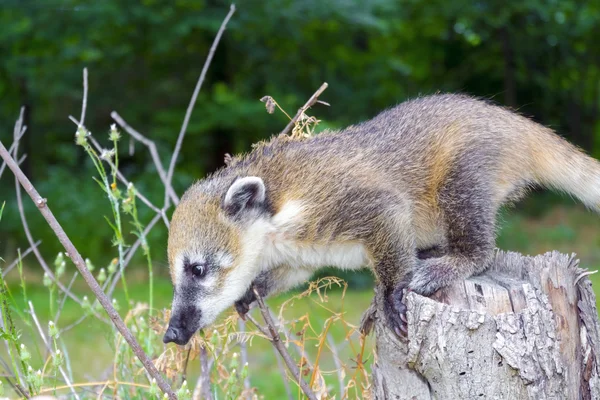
526 329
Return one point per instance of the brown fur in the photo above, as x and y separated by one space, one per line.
431 172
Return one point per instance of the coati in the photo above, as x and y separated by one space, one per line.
426 177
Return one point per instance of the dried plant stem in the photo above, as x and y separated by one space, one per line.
19 259
313 99
338 363
153 153
50 350
127 182
284 377
278 344
130 254
85 96
202 389
244 353
87 276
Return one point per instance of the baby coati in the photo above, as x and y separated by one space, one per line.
426 177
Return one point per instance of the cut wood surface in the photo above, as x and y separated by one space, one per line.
525 329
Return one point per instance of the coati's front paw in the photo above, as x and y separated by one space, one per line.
431 275
395 311
242 306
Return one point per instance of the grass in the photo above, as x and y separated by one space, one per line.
92 350
561 227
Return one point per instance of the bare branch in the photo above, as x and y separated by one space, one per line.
202 388
72 252
313 99
18 132
50 350
131 253
153 153
338 364
190 108
284 377
64 299
126 182
23 255
278 344
244 353
85 96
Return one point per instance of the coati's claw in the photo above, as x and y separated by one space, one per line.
395 311
403 318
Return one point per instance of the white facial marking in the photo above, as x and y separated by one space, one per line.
179 267
246 267
223 259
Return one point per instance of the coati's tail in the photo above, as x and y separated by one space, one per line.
560 165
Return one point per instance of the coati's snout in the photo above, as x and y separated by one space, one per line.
183 324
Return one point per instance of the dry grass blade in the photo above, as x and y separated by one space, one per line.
276 340
313 99
49 348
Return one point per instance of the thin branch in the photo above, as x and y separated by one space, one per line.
72 252
85 96
153 153
190 108
284 376
278 344
338 363
74 324
126 182
244 353
313 99
22 390
202 389
50 350
19 259
18 132
64 299
131 253
34 248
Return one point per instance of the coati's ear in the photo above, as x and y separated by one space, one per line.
245 193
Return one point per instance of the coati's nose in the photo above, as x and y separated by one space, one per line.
172 335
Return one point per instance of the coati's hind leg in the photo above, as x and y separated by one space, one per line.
469 218
394 256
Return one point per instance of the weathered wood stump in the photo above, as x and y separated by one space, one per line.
526 329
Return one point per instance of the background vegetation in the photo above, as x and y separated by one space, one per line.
540 57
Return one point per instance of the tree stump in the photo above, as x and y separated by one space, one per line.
526 329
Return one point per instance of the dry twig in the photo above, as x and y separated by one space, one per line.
50 350
273 335
153 153
20 258
188 112
313 99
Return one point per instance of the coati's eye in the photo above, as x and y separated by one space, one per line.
199 270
